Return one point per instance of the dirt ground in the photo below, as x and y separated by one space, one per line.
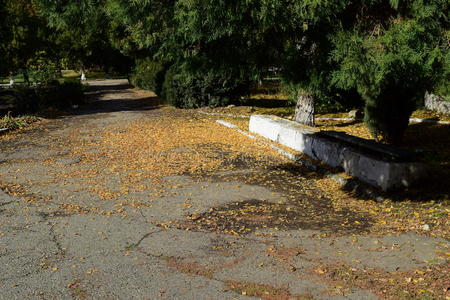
130 199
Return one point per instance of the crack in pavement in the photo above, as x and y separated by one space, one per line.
52 233
54 239
6 203
135 245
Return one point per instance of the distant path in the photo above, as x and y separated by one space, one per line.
126 199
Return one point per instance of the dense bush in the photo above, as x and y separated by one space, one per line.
188 87
24 99
46 73
39 98
73 91
148 75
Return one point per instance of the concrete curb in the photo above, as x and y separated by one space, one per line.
343 182
416 120
373 170
290 156
223 115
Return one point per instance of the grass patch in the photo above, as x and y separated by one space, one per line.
70 74
92 75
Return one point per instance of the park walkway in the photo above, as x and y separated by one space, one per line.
129 199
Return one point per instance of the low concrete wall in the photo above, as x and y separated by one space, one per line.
387 175
434 102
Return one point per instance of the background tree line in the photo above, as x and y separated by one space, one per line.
382 53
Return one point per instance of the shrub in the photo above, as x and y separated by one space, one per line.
55 95
60 95
73 91
50 96
188 87
46 71
148 75
24 99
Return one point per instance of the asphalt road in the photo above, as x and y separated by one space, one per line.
60 240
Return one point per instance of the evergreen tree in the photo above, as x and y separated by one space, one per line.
208 52
392 52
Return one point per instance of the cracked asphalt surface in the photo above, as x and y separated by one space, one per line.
53 247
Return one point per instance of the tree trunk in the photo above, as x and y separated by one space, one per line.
304 110
26 76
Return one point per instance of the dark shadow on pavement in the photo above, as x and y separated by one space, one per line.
123 102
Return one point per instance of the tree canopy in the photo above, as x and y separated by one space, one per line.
203 52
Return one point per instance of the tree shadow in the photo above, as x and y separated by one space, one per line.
116 105
122 102
434 141
303 210
92 88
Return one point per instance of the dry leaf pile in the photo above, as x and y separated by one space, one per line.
143 153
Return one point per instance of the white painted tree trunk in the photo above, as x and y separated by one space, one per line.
83 75
11 81
304 110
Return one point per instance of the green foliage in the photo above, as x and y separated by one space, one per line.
386 52
22 34
443 83
83 34
45 69
186 88
42 97
149 75
211 46
12 123
24 99
392 62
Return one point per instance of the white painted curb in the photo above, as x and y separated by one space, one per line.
223 115
286 154
387 175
